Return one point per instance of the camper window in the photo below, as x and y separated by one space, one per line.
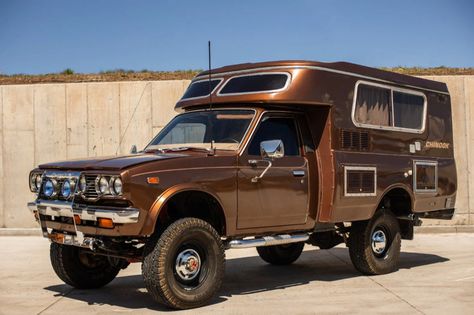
373 106
408 110
201 88
380 106
256 83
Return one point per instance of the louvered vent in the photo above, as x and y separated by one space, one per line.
360 181
354 140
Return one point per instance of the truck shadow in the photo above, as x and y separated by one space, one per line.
243 276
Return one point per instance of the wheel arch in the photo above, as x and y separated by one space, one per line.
392 192
399 199
177 197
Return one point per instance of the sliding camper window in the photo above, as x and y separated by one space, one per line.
384 107
256 83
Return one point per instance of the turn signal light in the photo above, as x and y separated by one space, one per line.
106 223
153 180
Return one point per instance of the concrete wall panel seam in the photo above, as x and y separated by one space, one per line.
2 163
466 139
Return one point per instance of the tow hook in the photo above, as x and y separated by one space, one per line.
92 243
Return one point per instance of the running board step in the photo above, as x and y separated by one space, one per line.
268 241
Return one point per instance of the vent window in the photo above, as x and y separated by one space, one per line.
360 181
425 176
256 83
353 140
201 88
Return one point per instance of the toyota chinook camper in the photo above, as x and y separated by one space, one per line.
270 155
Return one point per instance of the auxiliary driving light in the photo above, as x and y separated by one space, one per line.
66 189
49 188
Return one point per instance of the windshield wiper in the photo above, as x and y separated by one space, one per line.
192 149
178 149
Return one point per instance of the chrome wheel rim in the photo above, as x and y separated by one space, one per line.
188 264
379 241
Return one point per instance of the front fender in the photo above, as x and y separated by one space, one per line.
161 200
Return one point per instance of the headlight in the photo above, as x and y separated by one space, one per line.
67 188
102 185
38 179
49 188
35 182
83 184
116 184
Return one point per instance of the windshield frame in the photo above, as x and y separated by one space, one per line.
244 136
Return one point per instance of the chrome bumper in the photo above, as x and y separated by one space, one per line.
87 213
67 209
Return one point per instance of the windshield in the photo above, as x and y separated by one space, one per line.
197 129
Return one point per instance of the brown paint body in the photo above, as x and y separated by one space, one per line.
322 94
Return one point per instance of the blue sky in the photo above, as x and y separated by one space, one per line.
90 36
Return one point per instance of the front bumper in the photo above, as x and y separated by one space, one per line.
84 212
87 213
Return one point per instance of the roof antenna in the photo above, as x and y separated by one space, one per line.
213 150
209 73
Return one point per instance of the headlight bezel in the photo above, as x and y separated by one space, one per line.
35 181
82 184
103 186
116 186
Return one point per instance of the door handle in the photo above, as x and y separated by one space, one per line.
298 173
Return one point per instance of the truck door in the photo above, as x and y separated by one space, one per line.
280 197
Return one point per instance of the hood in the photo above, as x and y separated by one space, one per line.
110 162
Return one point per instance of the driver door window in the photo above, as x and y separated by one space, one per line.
276 128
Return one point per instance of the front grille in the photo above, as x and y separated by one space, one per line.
91 193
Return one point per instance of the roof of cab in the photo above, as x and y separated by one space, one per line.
345 68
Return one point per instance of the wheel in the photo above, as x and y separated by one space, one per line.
82 269
281 254
184 267
374 245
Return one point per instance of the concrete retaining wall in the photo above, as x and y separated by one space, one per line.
48 122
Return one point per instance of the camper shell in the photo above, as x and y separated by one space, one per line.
378 159
270 155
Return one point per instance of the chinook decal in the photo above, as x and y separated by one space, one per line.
437 145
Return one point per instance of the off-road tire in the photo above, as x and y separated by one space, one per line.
363 256
69 264
161 258
281 254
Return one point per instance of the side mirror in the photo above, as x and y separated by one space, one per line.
272 149
133 149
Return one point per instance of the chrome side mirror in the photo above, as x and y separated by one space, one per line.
269 150
272 149
133 149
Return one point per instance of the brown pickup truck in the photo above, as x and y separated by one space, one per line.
269 155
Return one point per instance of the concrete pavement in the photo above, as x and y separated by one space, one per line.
436 277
